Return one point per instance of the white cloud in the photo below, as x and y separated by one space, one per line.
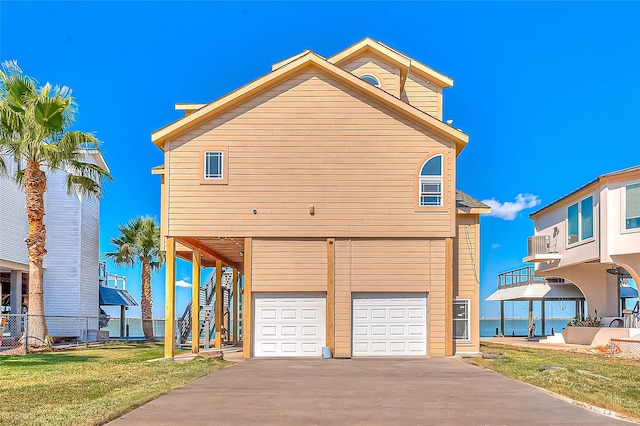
183 283
509 210
495 246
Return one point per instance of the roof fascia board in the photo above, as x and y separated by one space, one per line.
310 59
183 107
291 59
473 210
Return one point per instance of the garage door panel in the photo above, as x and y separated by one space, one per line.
289 324
389 324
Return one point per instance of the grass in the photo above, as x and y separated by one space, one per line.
595 379
90 386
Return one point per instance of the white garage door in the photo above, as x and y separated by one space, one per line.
389 324
289 324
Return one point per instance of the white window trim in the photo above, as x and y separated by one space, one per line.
467 302
220 176
372 76
593 225
623 210
431 179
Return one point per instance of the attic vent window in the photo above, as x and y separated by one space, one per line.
371 79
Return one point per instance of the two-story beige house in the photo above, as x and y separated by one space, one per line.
328 184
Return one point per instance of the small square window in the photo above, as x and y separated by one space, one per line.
213 165
461 320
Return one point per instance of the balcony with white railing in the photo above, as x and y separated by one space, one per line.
539 250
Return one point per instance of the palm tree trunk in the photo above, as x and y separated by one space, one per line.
35 185
147 318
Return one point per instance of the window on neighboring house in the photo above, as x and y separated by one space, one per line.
580 221
431 182
461 319
371 79
213 165
632 207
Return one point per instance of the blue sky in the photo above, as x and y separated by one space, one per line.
539 87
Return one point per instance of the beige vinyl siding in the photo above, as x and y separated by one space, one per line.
289 265
390 266
465 275
309 141
423 95
388 75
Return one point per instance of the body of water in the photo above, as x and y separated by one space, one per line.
519 327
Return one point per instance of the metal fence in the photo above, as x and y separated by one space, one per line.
20 331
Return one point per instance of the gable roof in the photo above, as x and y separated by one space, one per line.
301 62
602 178
404 62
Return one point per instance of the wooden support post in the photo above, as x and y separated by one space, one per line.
236 304
219 305
246 318
448 297
196 262
170 299
331 293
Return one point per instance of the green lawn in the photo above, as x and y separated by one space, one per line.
89 386
599 380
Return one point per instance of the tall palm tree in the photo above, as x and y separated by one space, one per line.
138 241
35 127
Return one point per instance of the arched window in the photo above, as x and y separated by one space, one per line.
371 79
431 182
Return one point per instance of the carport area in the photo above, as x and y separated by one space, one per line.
404 391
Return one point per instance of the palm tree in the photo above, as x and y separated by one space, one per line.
35 130
138 241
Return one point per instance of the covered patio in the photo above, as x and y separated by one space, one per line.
209 252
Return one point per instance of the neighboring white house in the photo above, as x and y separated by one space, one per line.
592 238
72 259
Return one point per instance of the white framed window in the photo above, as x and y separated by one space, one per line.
213 165
431 182
371 79
632 206
461 319
580 221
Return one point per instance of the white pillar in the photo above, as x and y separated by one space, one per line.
16 292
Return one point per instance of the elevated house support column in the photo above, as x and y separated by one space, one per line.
170 299
15 284
219 314
195 300
236 304
246 318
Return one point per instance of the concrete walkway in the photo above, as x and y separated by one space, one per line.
436 391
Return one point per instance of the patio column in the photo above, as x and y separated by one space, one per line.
170 299
15 286
246 318
236 303
219 314
531 332
196 262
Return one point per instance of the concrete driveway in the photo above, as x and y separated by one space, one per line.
436 391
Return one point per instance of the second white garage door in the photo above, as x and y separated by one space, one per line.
389 324
289 324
